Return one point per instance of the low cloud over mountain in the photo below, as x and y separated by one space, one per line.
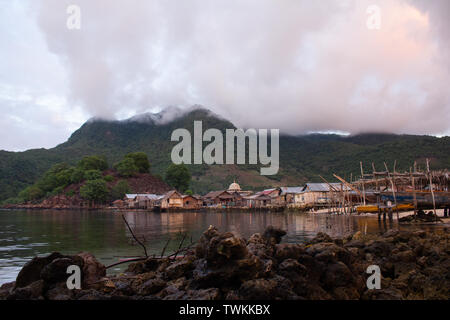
299 66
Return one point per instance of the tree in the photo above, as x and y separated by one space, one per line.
95 190
178 176
108 178
77 175
58 175
31 193
189 192
126 167
92 174
93 163
119 190
140 160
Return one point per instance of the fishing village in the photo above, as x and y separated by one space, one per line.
383 193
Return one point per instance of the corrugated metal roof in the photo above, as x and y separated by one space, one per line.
150 196
324 187
285 190
258 196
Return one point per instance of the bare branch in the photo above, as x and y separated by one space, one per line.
135 238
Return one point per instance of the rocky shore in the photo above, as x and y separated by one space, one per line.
414 265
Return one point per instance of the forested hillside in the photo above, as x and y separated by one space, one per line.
302 158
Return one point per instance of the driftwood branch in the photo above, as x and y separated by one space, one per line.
125 261
165 247
135 238
173 255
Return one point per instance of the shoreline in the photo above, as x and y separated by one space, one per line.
223 266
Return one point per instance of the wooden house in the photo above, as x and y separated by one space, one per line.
142 200
257 200
318 193
275 196
288 194
172 199
218 199
191 202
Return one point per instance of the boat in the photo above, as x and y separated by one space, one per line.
373 208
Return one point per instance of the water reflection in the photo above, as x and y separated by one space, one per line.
25 234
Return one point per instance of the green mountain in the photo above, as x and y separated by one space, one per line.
302 158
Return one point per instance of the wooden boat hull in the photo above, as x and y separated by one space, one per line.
374 208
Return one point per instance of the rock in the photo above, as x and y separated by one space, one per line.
321 237
92 269
273 235
390 233
355 244
404 256
123 288
383 294
205 294
379 248
34 290
178 295
56 271
420 233
151 287
328 252
179 268
229 275
291 268
5 289
59 292
357 236
403 236
31 271
288 250
174 289
414 265
150 264
202 245
258 289
337 275
258 246
345 293
224 248
91 294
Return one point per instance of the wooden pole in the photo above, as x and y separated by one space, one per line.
414 192
375 177
431 188
332 189
362 177
393 190
393 177
347 184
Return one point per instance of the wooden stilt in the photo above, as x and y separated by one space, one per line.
393 189
414 192
431 188
363 187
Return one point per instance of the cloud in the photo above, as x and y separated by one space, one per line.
299 66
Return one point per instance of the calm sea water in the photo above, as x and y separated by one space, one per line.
25 234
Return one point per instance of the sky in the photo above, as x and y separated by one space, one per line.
294 65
